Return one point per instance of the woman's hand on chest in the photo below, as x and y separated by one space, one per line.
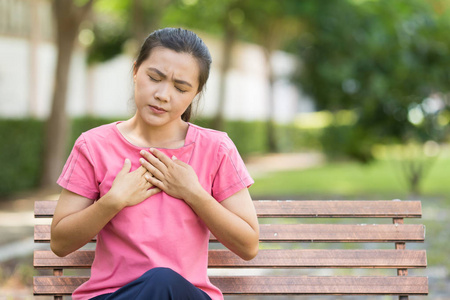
171 175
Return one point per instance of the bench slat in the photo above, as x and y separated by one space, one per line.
304 258
339 209
323 258
332 285
378 233
56 285
253 285
342 233
307 209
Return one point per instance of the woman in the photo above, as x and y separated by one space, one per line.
152 187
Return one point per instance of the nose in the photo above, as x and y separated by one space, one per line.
163 92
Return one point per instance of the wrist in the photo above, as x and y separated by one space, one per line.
110 203
197 196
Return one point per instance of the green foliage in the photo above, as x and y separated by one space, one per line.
108 43
384 59
22 145
20 154
340 142
291 138
249 137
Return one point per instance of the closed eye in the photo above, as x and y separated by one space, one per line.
153 79
180 90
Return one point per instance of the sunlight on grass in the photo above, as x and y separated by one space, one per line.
382 178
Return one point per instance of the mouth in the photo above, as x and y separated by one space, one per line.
157 110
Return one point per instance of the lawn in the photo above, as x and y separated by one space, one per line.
380 179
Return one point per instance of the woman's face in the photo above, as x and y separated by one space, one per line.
165 85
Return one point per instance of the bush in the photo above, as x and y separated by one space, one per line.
22 145
347 142
290 138
20 154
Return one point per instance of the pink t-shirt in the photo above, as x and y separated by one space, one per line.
161 231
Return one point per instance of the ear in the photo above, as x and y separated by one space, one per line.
134 70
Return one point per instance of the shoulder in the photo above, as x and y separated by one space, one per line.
97 138
102 132
211 136
100 135
214 142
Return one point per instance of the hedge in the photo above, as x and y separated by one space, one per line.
20 154
22 145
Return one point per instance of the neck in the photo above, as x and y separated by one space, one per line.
171 135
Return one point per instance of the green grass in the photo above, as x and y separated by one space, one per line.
382 178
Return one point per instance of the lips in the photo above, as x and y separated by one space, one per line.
157 110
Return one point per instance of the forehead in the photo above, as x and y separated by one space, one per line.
180 65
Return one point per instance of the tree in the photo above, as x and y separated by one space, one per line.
221 18
272 24
383 60
68 15
117 22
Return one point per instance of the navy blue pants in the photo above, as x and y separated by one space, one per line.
158 284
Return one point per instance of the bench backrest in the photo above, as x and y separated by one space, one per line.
287 229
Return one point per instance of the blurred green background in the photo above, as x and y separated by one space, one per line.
377 72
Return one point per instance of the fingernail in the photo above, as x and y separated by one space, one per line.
142 152
141 160
151 149
174 157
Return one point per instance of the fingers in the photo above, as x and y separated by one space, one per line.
152 191
148 167
154 181
161 156
178 162
141 170
126 167
152 159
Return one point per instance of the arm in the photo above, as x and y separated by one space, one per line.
78 219
233 221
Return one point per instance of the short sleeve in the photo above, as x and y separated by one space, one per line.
232 175
78 175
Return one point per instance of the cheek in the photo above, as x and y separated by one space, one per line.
141 89
188 101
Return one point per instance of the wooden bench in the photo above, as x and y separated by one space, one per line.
294 245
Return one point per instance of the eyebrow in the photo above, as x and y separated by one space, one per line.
165 76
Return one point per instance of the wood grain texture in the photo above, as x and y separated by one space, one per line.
280 285
308 209
328 233
60 285
304 258
397 233
332 285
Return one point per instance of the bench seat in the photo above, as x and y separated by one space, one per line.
285 236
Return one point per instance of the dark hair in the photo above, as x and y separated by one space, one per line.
182 41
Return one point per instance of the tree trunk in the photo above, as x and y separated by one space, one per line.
146 17
227 49
271 130
68 18
138 23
